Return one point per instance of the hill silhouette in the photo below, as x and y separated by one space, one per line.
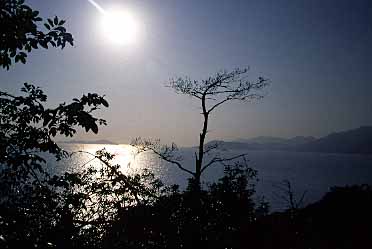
352 141
357 141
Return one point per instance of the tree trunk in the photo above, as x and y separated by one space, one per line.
199 158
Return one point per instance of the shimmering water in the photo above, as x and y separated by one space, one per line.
311 172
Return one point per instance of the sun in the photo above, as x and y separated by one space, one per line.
120 27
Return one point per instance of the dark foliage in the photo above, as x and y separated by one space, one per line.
30 206
212 219
341 219
27 128
20 32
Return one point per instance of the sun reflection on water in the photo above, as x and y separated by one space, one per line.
124 155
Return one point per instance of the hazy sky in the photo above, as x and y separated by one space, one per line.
317 55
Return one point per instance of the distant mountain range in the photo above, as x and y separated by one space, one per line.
352 141
89 142
277 141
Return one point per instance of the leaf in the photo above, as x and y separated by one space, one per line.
33 44
47 118
35 13
47 26
50 22
28 47
53 131
105 103
44 44
55 20
61 29
94 128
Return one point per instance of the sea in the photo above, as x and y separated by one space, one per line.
310 174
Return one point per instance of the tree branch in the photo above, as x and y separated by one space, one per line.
221 160
211 147
173 162
164 152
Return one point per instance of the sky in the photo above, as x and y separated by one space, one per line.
316 54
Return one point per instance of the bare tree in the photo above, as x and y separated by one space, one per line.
223 87
289 196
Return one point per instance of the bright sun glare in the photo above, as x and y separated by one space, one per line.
120 27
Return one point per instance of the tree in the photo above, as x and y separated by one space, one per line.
26 126
223 87
33 205
20 32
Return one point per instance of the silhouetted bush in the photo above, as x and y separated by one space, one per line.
341 219
212 218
